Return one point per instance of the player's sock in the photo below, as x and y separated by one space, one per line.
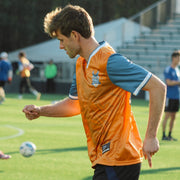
36 93
169 134
164 134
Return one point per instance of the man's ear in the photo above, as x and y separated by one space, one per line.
75 35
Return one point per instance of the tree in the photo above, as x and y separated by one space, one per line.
21 22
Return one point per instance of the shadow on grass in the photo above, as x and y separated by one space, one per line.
1 171
47 151
154 171
87 178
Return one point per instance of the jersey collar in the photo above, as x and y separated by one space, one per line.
101 44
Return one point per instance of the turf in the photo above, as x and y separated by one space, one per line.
61 145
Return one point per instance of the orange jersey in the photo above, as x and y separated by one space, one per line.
112 135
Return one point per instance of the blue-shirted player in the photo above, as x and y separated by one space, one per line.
5 74
171 75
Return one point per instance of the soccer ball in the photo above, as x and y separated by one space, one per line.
27 149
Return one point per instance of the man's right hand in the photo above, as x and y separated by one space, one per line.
31 112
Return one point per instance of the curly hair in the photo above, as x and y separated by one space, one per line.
68 19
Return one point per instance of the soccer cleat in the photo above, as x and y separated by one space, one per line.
38 96
4 156
2 100
170 138
165 138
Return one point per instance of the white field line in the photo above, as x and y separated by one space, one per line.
20 133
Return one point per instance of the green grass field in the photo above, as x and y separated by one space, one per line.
61 145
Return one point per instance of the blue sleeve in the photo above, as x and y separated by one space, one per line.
10 67
73 90
127 75
167 73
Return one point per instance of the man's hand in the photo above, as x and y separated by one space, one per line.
150 147
9 80
31 112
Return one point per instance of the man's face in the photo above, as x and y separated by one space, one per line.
176 60
69 44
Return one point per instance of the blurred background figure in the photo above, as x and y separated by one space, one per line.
4 156
172 80
50 74
24 68
6 74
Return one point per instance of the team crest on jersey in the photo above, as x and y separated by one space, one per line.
95 79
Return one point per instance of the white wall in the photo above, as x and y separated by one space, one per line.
119 31
178 6
114 32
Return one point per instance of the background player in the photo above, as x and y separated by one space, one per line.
6 74
24 68
50 73
171 75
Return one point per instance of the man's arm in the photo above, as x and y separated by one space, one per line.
172 82
64 108
157 95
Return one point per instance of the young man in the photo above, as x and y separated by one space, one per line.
50 73
171 75
24 68
101 92
6 74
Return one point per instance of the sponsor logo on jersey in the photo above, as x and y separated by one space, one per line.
105 148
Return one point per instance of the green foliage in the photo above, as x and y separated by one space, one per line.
61 145
21 22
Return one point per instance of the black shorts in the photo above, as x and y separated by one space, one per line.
130 172
2 83
172 105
